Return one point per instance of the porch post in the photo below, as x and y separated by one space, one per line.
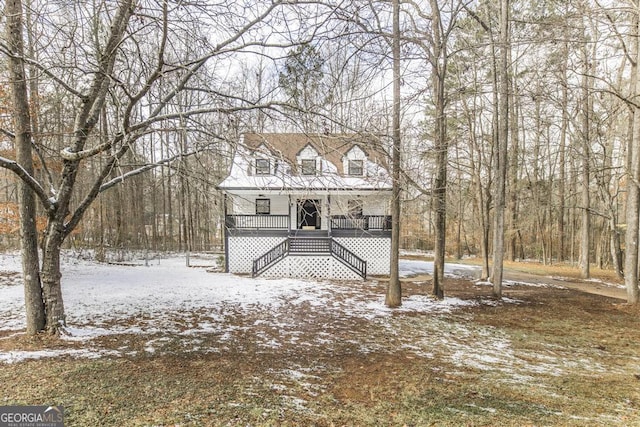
289 222
226 234
329 214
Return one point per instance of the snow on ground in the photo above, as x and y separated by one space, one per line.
166 303
96 294
166 307
106 299
412 267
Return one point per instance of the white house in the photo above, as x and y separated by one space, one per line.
308 205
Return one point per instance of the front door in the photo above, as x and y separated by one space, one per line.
308 214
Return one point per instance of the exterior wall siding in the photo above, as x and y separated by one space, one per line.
371 205
375 206
247 205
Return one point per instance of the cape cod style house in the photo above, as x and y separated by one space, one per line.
307 205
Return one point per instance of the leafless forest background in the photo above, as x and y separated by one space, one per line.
325 67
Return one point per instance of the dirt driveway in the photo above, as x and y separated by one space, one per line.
590 286
513 276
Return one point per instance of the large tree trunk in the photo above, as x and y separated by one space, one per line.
51 276
536 181
633 208
616 248
611 197
393 297
486 231
22 124
503 137
584 189
483 203
633 191
562 160
438 70
514 153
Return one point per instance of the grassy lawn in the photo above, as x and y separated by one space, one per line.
543 356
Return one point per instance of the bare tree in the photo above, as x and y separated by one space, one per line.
438 62
136 67
501 161
394 290
585 165
22 139
633 184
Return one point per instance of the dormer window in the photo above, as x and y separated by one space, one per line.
263 167
355 168
308 166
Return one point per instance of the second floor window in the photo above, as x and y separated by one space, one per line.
308 166
355 167
263 207
263 167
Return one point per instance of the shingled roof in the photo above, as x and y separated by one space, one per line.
333 147
287 146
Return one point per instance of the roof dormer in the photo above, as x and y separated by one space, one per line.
354 161
308 160
262 163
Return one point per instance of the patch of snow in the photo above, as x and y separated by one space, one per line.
507 283
88 333
482 408
495 302
600 282
167 297
416 252
20 356
296 403
411 267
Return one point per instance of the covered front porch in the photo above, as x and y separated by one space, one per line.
309 215
337 225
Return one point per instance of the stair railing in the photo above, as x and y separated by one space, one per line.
268 259
348 258
341 253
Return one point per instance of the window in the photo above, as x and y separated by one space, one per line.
308 166
263 206
355 208
355 167
263 167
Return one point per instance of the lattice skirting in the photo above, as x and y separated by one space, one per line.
243 250
376 251
311 267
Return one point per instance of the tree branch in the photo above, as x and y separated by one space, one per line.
107 185
75 156
21 173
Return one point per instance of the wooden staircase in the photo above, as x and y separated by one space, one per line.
309 246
